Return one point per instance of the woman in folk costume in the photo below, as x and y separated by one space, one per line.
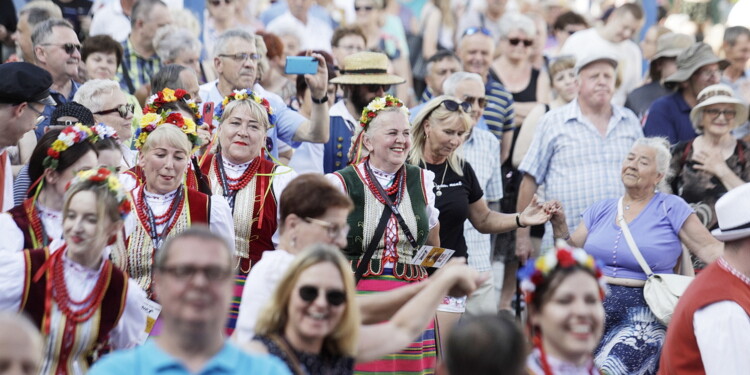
374 183
58 156
81 302
164 205
250 183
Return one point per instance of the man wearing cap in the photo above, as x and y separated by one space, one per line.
24 91
710 329
236 63
697 68
663 64
363 78
578 148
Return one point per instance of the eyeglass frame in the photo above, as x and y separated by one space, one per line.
241 57
714 113
481 102
515 41
69 48
186 273
333 297
129 108
332 230
373 88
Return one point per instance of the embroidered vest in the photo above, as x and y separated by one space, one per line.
252 235
336 149
136 254
680 354
23 216
72 345
367 212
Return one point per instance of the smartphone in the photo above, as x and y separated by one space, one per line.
301 65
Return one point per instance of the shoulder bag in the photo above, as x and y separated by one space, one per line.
661 291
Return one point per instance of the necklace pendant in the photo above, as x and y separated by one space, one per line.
627 207
439 193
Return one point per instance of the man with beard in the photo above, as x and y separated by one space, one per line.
236 61
363 78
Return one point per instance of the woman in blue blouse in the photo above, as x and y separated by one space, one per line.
660 224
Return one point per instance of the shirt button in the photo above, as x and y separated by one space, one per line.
339 154
338 146
341 139
338 163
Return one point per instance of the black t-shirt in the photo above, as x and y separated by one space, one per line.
458 192
74 9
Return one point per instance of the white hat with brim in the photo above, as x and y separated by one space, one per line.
733 213
591 58
720 94
366 68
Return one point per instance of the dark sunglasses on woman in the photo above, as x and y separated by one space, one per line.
334 297
526 42
123 110
453 105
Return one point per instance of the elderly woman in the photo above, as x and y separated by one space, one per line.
706 167
439 129
661 223
564 291
250 183
70 290
312 322
176 45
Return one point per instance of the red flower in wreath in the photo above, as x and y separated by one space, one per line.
565 258
180 93
176 119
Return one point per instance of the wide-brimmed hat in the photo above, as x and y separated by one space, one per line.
595 56
366 68
693 58
715 94
732 212
672 44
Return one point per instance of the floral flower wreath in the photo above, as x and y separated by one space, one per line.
378 104
104 176
68 137
103 131
157 101
150 121
245 94
535 273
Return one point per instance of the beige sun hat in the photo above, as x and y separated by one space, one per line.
716 94
672 44
693 58
366 68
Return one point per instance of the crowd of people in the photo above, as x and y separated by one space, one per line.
451 188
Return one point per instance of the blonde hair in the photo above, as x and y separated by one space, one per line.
342 341
167 134
357 152
436 112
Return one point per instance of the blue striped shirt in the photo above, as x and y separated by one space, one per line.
499 113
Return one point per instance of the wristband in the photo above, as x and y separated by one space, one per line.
518 221
319 101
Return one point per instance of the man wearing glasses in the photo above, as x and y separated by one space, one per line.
58 51
24 91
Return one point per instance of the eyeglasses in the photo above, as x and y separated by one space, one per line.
123 109
39 118
365 8
453 106
333 230
474 30
69 48
218 2
334 297
187 272
515 41
729 114
374 88
241 57
481 102
706 74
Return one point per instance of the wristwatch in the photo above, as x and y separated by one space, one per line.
319 101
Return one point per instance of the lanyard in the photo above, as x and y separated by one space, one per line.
390 204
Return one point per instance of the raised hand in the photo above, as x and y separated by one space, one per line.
534 213
318 83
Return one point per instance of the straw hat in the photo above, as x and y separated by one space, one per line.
715 94
693 58
731 210
366 68
672 44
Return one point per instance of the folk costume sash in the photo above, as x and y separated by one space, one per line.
253 206
137 256
72 344
367 205
26 216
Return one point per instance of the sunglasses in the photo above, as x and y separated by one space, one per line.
69 48
374 88
453 106
515 41
334 297
474 30
729 114
218 2
124 110
365 8
187 272
481 102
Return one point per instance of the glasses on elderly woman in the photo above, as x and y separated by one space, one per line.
333 230
123 110
516 41
714 113
334 297
453 105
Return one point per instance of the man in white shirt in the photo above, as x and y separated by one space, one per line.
614 35
113 19
317 33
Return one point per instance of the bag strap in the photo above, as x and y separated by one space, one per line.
631 243
365 261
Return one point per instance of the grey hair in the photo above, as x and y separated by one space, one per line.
43 30
8 318
142 9
53 10
731 34
167 77
93 93
197 231
227 36
660 145
517 21
170 41
451 83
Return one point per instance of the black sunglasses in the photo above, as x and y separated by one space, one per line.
334 297
375 88
123 110
482 102
365 8
474 30
515 41
453 105
218 2
69 48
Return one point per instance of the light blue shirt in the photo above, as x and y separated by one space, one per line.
150 359
575 163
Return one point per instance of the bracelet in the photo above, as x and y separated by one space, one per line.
319 101
518 221
566 237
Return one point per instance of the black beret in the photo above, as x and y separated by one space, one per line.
23 82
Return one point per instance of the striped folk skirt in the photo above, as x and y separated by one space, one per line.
234 309
418 357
